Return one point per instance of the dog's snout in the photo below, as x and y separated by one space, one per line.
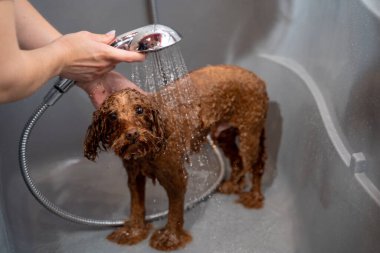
132 135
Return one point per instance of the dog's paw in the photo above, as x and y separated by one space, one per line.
228 187
251 199
167 239
129 234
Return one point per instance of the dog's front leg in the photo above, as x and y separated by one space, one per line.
172 236
135 229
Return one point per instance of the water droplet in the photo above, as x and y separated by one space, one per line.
157 71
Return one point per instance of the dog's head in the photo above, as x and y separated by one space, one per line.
128 122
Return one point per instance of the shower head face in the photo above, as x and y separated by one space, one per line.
147 39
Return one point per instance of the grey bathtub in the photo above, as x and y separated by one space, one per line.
321 61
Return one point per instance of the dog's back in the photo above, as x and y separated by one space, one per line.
229 94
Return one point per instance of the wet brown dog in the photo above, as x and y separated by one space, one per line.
147 134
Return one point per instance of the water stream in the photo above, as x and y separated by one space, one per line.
165 74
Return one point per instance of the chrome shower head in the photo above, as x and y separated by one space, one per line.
147 39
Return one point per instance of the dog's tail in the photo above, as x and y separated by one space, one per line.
262 156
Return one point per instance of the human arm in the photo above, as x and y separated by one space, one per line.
79 56
99 89
19 75
33 30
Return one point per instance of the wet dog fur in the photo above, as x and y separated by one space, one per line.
230 104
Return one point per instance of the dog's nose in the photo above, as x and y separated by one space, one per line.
132 135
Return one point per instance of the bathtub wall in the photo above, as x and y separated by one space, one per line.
316 56
336 42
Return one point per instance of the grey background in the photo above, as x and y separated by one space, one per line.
313 201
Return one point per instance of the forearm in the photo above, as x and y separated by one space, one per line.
23 72
28 71
33 30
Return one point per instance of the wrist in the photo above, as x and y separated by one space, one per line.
61 53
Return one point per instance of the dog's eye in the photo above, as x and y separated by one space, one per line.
139 110
112 116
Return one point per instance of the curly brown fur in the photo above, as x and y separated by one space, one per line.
149 136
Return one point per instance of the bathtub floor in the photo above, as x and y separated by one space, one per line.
217 225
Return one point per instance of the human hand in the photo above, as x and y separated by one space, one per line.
88 56
99 89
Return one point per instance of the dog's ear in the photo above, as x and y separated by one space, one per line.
157 124
97 133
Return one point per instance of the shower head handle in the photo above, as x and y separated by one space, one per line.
149 38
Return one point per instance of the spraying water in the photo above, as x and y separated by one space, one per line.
164 73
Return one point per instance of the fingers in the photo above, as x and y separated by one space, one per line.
116 54
121 55
99 89
88 56
114 81
106 38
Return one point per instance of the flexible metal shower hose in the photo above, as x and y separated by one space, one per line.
23 160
